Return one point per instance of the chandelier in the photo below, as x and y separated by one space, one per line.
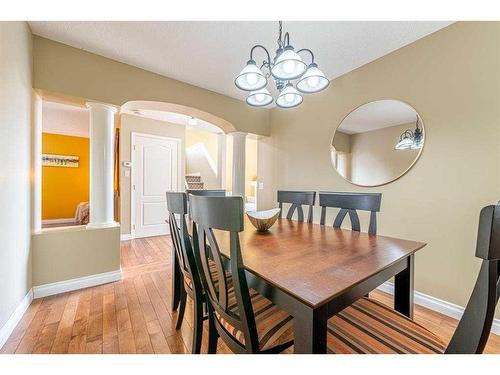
411 140
286 67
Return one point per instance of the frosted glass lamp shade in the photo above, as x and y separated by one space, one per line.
259 98
288 65
313 80
404 144
289 97
251 78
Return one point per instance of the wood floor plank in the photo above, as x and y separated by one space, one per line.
158 340
65 327
133 315
21 328
30 338
94 329
110 344
54 306
78 341
141 336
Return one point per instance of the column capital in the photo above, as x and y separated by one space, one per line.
110 107
238 134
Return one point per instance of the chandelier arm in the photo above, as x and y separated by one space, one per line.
286 39
310 52
280 43
267 53
409 132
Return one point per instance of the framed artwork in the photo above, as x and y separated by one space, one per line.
66 161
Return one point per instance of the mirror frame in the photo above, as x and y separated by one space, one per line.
406 170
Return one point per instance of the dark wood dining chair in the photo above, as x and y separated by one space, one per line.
349 203
244 319
191 284
368 326
297 199
207 192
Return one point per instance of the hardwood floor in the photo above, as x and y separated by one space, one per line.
133 315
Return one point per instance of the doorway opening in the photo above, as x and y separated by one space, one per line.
65 165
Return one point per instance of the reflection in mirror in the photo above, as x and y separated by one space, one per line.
377 143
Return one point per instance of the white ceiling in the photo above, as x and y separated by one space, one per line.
65 119
377 115
210 54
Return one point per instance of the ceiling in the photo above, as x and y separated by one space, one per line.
65 119
210 54
377 115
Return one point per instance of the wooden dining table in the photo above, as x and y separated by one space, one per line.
314 271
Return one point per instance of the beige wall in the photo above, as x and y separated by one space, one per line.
68 253
197 162
15 161
452 79
342 141
62 69
137 124
374 160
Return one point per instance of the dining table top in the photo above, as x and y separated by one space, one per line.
315 263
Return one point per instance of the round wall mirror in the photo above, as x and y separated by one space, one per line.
377 143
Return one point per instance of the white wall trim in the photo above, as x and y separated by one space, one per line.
75 284
436 304
15 318
59 221
126 237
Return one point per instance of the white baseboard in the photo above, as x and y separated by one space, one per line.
126 237
436 304
75 284
14 319
59 221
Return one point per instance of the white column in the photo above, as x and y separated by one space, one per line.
239 150
221 160
37 162
102 138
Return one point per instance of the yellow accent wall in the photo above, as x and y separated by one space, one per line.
63 188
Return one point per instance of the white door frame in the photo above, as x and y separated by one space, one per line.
133 136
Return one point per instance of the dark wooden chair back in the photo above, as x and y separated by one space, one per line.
224 214
207 192
204 193
349 203
297 199
474 328
177 206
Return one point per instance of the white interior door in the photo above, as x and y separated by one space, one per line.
156 170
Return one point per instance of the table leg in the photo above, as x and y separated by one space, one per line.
310 331
403 289
176 281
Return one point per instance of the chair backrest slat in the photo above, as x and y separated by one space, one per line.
224 214
177 206
207 192
474 327
297 199
349 203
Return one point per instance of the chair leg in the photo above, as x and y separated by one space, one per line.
182 309
197 326
213 336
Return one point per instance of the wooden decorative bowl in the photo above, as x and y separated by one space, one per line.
263 220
